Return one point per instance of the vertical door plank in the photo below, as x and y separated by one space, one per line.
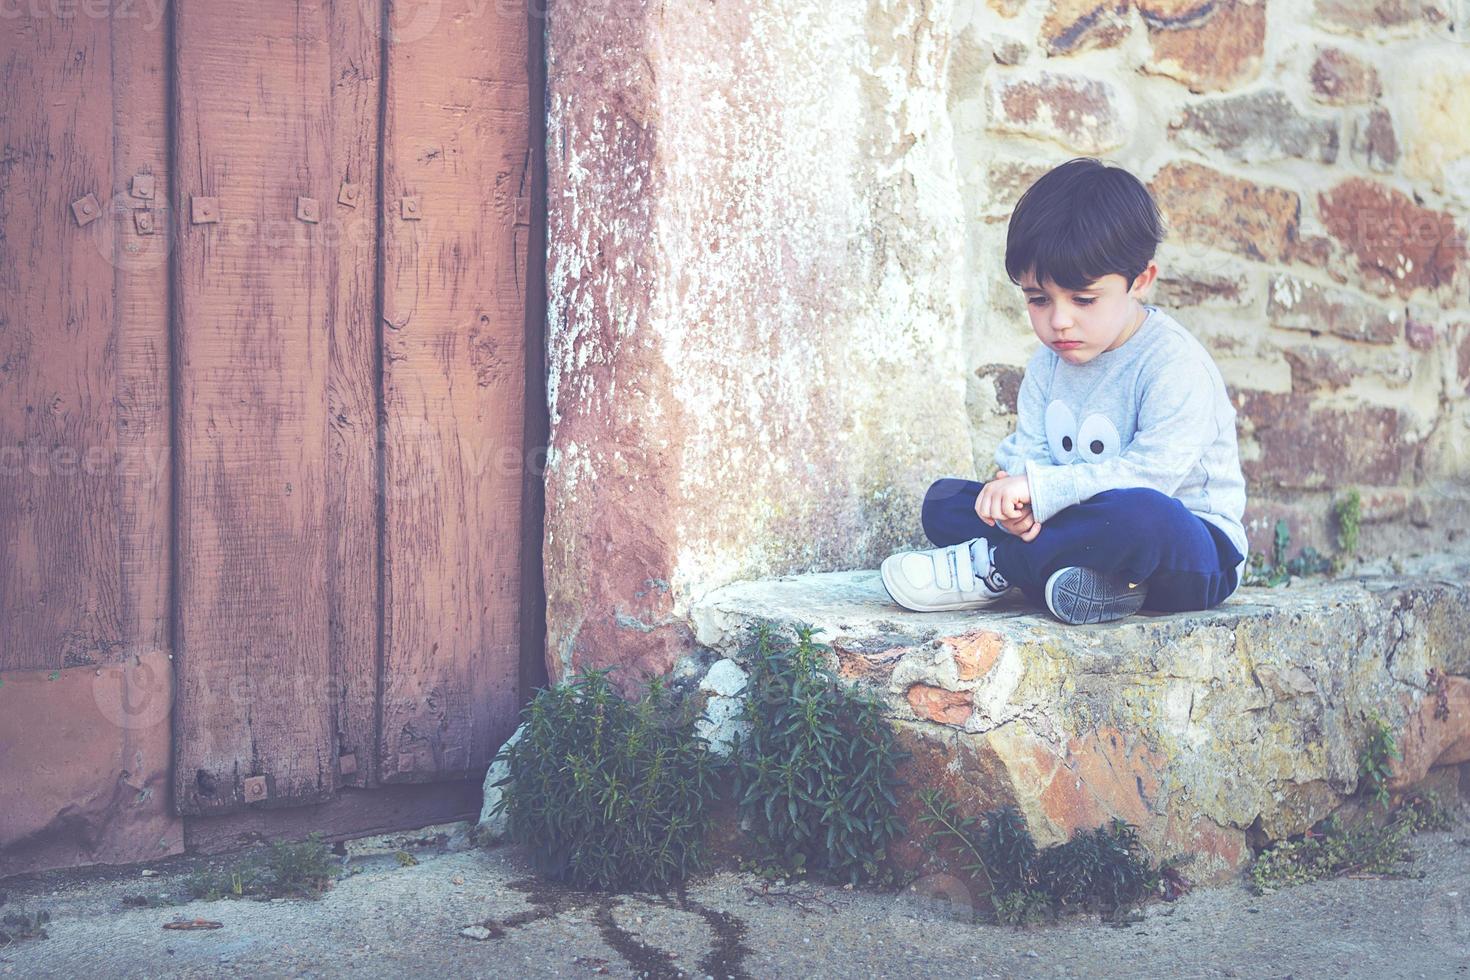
456 146
253 298
139 204
60 595
84 469
352 388
141 193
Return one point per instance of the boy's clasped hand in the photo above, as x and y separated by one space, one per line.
1006 500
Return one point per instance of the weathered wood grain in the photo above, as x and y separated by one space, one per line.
455 140
347 394
352 387
60 582
254 294
140 150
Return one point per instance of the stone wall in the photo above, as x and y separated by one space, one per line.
1314 169
777 308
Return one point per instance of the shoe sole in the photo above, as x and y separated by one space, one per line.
1084 595
968 604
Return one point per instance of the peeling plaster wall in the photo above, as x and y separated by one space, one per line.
776 303
756 274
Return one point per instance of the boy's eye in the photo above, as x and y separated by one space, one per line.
1079 300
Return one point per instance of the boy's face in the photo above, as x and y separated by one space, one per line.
1080 324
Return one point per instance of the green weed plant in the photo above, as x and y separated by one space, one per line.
607 794
1375 843
816 771
1372 845
289 869
1281 568
1103 870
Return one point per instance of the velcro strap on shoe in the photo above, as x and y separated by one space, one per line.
964 569
943 575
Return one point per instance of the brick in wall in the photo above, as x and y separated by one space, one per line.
1205 206
1077 111
1369 16
1294 303
1077 25
1256 127
1209 45
1391 237
1373 143
1340 78
1304 446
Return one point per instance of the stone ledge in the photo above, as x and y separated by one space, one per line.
1205 730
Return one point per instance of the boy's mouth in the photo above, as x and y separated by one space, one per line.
1067 344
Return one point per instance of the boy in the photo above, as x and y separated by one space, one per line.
1121 487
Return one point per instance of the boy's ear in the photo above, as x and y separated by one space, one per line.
1145 281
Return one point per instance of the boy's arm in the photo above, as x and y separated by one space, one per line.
1176 424
1029 440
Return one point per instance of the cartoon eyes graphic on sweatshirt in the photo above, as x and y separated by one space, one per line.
1095 439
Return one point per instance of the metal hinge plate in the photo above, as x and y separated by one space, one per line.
86 210
255 789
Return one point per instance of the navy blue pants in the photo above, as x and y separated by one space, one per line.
1187 562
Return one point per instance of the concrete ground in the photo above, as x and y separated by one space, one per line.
386 919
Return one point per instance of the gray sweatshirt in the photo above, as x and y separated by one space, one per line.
1151 413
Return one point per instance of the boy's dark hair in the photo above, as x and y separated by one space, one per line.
1081 221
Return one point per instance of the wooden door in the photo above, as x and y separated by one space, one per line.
320 377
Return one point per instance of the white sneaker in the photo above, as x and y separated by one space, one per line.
959 576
